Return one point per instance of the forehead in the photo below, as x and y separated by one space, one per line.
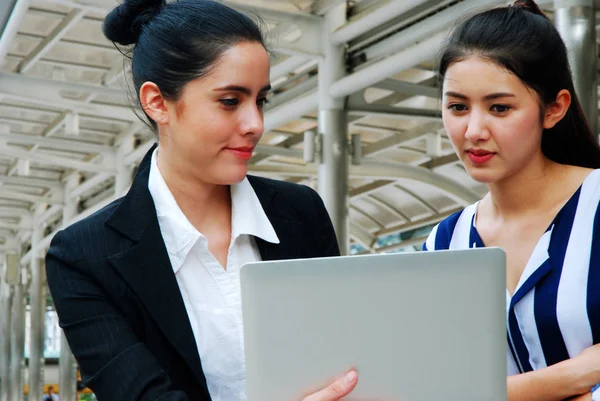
244 63
476 74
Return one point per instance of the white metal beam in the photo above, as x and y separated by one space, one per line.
320 7
390 142
11 83
51 39
57 143
420 199
50 212
357 106
46 93
11 28
9 211
119 69
38 157
403 60
292 93
404 227
390 208
31 182
384 171
306 45
408 88
373 19
366 215
89 184
103 8
56 199
362 236
284 113
443 20
286 66
278 151
139 152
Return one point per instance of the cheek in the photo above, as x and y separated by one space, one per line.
521 134
206 129
455 129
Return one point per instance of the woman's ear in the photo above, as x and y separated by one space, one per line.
557 110
153 103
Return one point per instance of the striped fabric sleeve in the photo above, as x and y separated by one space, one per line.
429 245
596 393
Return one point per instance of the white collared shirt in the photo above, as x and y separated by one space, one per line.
210 293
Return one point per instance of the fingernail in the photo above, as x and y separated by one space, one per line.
350 376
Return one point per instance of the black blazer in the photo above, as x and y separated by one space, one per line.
118 301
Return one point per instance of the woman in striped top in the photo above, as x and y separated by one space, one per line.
510 110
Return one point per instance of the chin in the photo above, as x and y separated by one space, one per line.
483 175
232 175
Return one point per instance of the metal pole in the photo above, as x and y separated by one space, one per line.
17 342
575 20
67 367
37 299
5 320
333 167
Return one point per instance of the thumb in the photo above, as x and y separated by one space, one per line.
336 390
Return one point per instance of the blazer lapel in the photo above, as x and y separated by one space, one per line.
288 230
287 248
147 269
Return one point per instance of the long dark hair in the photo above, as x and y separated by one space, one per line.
521 39
178 42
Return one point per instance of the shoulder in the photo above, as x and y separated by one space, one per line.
78 238
453 227
282 188
585 203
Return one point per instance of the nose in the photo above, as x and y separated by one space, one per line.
477 129
252 121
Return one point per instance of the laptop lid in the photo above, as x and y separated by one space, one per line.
417 326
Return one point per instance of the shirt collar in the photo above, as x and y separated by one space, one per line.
247 214
179 235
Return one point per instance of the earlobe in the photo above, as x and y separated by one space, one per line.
557 110
153 103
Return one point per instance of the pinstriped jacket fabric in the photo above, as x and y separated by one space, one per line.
118 300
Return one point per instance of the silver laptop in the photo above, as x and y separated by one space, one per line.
424 326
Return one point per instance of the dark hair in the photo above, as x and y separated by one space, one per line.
178 42
521 39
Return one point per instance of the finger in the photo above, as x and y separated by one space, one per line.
336 390
318 387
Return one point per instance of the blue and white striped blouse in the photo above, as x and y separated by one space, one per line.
554 313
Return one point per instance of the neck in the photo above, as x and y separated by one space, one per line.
525 191
190 192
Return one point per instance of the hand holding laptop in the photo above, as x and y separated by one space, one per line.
337 389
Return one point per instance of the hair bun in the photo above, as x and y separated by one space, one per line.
124 24
528 5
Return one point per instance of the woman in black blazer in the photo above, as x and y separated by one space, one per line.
201 74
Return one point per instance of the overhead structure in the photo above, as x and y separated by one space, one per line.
576 22
354 113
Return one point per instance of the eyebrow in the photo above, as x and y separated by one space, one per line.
242 89
491 96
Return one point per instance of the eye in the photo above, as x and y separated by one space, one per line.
229 102
500 108
262 102
457 107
